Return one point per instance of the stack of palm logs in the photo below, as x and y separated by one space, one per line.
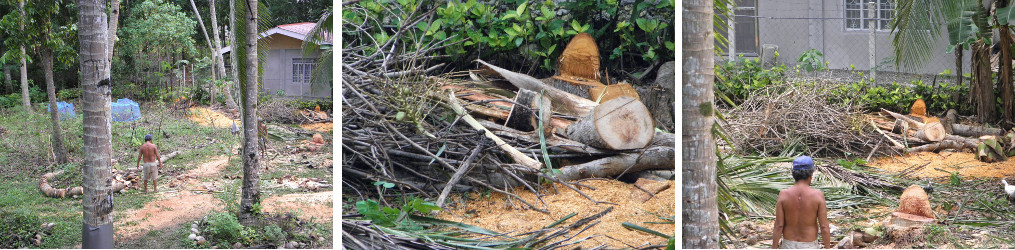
919 132
571 110
122 180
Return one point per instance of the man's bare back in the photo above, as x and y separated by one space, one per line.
149 152
800 210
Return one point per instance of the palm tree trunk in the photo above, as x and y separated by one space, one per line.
958 65
220 64
25 97
234 57
1005 78
250 193
700 211
7 79
114 15
984 91
97 204
59 151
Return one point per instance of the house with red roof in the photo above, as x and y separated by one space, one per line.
287 70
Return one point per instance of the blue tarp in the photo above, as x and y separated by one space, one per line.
66 110
125 110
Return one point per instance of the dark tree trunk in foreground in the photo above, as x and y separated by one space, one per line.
97 204
700 208
250 194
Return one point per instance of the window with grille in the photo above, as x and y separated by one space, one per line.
302 67
745 35
857 17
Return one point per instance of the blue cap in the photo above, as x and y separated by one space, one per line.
803 162
147 137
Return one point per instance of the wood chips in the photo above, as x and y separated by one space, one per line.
930 165
494 213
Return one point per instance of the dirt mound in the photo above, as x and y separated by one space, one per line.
309 205
933 165
493 213
206 117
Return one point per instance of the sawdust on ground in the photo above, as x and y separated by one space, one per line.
934 165
206 117
319 127
308 205
495 214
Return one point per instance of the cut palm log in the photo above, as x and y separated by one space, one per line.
659 156
564 102
524 114
117 185
516 155
619 124
919 108
575 85
606 93
990 150
945 144
932 132
974 131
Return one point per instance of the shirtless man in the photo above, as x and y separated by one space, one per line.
152 163
799 211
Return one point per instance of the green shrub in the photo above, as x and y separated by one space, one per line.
11 100
69 94
634 35
738 78
18 228
224 226
899 98
811 60
312 104
274 233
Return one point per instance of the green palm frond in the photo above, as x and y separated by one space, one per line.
915 29
320 77
961 28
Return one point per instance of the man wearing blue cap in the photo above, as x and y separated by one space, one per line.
152 162
799 211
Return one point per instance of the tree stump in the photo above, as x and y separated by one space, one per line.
619 124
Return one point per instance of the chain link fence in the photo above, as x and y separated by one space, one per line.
853 38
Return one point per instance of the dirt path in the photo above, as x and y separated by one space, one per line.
309 205
175 206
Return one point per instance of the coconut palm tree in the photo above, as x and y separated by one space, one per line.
700 211
917 24
246 44
98 195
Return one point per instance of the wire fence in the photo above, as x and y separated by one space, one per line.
852 40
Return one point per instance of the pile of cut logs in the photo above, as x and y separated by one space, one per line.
918 132
573 110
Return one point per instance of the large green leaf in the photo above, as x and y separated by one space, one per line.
960 13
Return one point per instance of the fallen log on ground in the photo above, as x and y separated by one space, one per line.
974 131
49 191
659 155
519 157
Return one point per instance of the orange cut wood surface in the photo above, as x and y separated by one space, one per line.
918 108
580 58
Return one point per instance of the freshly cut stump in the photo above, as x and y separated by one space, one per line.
610 92
580 58
524 116
619 124
918 108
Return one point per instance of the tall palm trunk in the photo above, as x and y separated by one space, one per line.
114 16
250 192
98 195
59 151
220 64
1005 77
984 84
25 98
700 210
7 79
958 65
200 22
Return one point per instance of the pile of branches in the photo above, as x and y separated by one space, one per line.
799 117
